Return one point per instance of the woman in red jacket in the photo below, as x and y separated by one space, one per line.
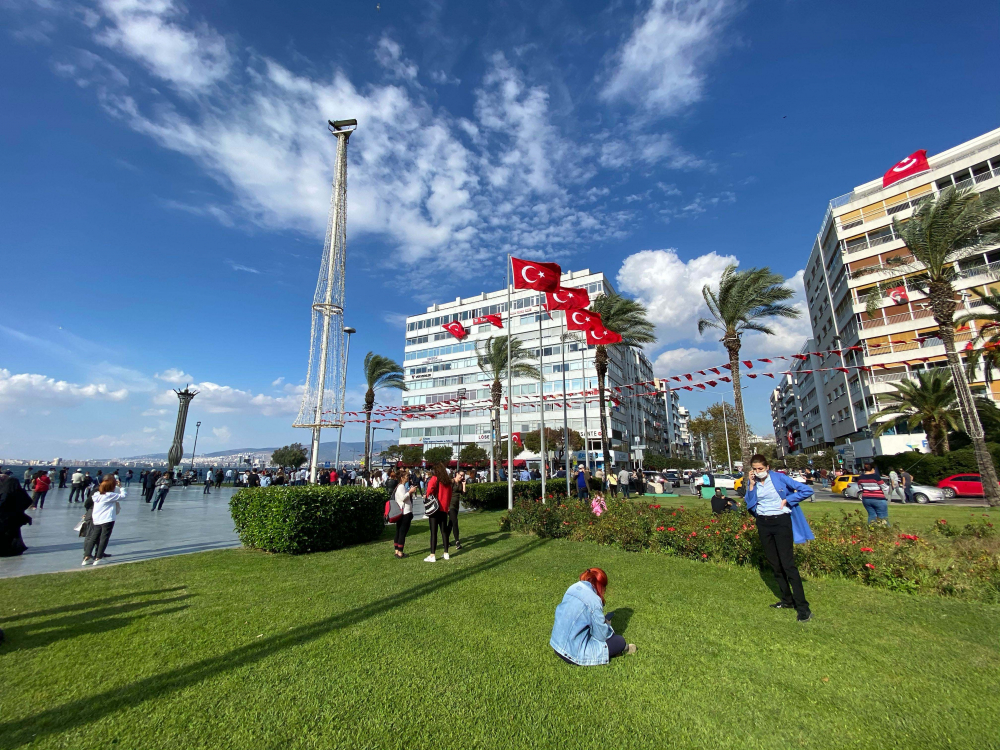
439 486
42 484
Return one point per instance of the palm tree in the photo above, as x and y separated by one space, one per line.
954 226
929 401
627 318
988 334
492 360
744 301
380 372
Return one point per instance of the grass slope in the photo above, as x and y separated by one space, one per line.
355 649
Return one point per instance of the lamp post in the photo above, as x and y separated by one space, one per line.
197 426
387 429
458 455
340 431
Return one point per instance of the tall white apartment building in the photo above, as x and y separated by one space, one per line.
436 365
856 234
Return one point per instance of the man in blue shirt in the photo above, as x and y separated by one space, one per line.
774 499
582 490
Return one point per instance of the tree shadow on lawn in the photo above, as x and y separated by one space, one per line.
86 710
38 635
87 605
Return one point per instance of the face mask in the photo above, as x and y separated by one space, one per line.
761 475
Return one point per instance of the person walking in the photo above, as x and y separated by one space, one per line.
149 488
26 479
437 503
873 496
163 485
582 633
613 484
895 488
623 482
208 484
62 478
41 488
76 486
582 489
907 480
128 479
106 506
773 499
457 491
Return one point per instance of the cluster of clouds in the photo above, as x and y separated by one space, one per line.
24 392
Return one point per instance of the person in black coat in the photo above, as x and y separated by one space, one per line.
13 502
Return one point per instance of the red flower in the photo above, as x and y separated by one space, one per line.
706 527
659 528
694 533
870 566
737 536
867 549
674 513
942 521
671 528
704 555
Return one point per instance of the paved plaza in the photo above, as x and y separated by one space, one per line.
189 522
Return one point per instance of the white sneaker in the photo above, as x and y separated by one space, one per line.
86 561
445 556
97 561
430 558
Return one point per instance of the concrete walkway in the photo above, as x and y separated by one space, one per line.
189 522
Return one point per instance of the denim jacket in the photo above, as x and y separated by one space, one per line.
580 632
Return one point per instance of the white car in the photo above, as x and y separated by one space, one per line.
922 493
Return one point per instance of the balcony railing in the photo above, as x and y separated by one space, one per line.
893 377
892 319
907 346
867 270
992 270
869 244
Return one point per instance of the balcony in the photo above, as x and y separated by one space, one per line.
868 244
989 270
908 346
893 377
893 319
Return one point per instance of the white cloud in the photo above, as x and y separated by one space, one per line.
681 360
660 67
175 376
671 288
153 413
222 433
278 381
26 391
223 399
151 31
240 267
389 55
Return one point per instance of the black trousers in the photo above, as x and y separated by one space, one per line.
439 520
148 492
38 498
776 537
453 518
76 492
402 529
616 647
99 535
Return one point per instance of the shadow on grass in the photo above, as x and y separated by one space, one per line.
80 712
767 576
90 622
621 619
87 605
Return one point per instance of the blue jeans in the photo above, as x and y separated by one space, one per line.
876 508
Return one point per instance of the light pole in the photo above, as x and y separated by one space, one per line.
458 456
197 426
340 431
387 429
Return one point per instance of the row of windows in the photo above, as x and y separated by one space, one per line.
440 351
455 364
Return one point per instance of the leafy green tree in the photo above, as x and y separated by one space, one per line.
627 318
985 351
928 401
438 455
744 302
290 456
492 360
943 231
554 441
473 454
412 455
709 424
380 372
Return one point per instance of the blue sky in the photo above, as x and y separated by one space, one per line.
165 178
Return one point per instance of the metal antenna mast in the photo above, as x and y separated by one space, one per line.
326 378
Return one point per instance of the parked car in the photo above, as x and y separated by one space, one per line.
841 482
922 493
962 485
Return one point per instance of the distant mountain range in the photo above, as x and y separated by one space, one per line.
327 451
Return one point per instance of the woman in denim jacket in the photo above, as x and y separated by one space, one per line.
582 634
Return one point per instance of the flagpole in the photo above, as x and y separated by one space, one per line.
541 395
510 400
586 436
562 350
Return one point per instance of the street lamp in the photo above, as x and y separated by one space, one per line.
387 429
340 431
197 426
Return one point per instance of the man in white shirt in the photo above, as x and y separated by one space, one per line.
624 479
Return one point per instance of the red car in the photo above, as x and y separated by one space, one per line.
962 484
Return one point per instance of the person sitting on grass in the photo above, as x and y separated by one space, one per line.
582 633
721 503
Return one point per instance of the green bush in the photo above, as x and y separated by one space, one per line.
493 495
930 469
953 561
310 518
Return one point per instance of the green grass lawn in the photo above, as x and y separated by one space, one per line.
355 649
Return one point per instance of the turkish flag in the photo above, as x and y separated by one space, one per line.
898 295
530 274
516 439
601 335
791 441
494 319
456 329
567 299
581 320
913 164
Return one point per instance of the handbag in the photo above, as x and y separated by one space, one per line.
431 504
393 508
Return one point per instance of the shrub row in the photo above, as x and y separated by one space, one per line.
930 469
951 560
493 495
310 518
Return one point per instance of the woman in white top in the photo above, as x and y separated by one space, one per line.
106 507
403 497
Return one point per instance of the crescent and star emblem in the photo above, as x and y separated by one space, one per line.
576 318
556 297
908 162
524 274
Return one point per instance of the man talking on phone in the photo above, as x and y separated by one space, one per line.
773 499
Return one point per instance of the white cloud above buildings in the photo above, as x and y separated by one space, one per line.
30 391
222 399
175 376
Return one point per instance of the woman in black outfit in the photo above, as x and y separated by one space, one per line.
457 490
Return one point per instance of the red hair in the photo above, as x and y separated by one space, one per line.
596 578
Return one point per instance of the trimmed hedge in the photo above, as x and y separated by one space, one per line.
308 518
931 469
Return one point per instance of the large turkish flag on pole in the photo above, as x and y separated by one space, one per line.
530 274
598 334
567 299
456 329
913 164
581 320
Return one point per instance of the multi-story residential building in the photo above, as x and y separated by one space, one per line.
899 339
436 365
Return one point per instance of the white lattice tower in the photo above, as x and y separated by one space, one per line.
326 377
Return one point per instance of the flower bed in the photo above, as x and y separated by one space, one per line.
952 560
